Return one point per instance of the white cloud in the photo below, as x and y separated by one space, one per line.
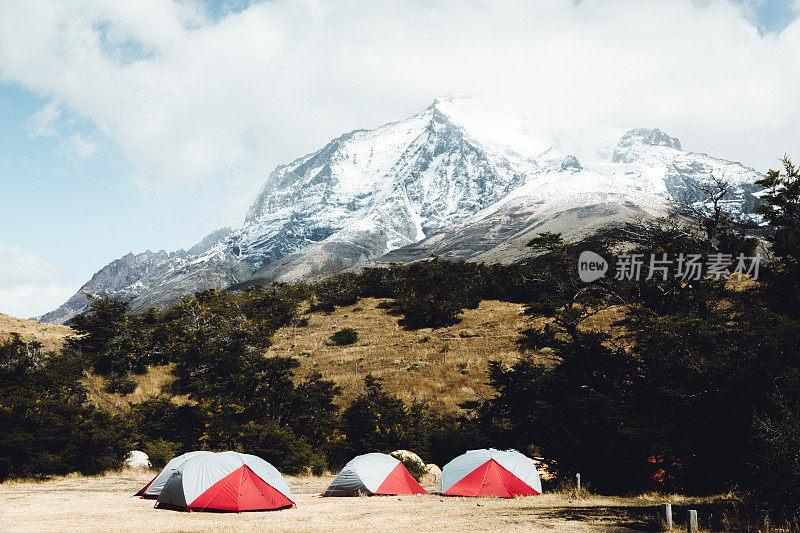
19 266
27 283
82 146
28 301
43 122
187 98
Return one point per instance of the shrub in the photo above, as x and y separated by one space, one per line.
467 333
46 425
280 446
120 385
344 337
414 467
379 421
160 451
338 291
432 294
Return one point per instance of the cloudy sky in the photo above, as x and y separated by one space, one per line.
127 126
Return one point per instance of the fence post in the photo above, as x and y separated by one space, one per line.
578 476
691 523
666 514
356 369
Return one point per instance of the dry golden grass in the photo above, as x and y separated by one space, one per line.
155 382
439 366
50 335
75 503
388 351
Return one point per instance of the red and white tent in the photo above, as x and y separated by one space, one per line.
373 474
226 481
153 489
491 472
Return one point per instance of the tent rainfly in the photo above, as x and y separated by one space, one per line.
152 490
226 481
491 472
375 474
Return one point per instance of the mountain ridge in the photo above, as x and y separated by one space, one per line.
456 180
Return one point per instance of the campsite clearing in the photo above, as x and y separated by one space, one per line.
105 503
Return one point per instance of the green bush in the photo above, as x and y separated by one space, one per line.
281 447
414 467
160 452
344 337
46 425
338 291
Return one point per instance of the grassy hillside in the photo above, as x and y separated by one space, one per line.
50 335
444 367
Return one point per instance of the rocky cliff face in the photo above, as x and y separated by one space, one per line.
456 179
114 279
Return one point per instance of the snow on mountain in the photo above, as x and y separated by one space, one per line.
457 179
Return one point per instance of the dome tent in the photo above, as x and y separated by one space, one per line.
373 474
491 472
156 485
226 481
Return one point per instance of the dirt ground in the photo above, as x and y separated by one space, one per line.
75 503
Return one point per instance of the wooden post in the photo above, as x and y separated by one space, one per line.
578 475
356 369
691 523
666 514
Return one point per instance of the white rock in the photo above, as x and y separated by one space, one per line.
137 459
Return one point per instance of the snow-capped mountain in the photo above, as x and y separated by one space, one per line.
457 179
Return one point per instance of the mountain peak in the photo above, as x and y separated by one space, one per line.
653 137
460 175
440 101
626 150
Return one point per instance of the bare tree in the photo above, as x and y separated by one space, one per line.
710 213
